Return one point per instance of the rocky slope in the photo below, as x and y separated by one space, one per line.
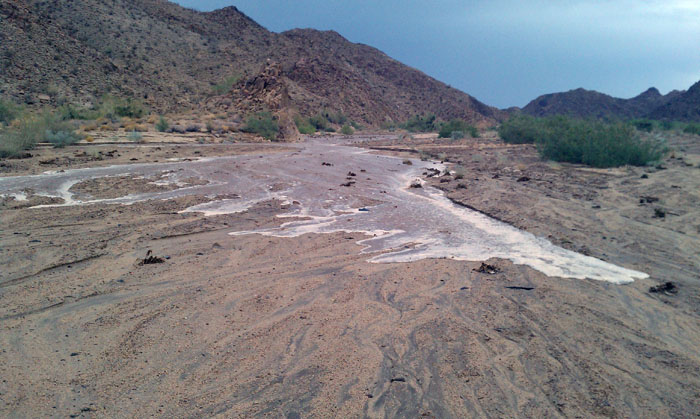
591 104
172 57
684 107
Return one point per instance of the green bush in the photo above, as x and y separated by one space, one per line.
338 118
319 122
424 123
8 112
456 135
667 125
693 128
226 84
60 139
304 126
130 108
591 143
457 125
49 127
135 136
71 111
520 129
162 124
388 125
263 124
347 130
645 125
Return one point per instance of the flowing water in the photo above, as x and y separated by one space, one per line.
403 224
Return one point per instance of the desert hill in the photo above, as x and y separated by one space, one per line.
591 104
684 107
174 58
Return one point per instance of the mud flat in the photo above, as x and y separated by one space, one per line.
276 321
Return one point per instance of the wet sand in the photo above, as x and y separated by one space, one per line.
251 325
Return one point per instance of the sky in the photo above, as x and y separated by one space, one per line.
507 52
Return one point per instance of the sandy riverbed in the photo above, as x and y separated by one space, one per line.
246 325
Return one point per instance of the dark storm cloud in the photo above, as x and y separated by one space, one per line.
507 52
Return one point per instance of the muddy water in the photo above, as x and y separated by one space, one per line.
332 187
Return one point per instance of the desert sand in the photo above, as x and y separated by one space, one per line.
259 325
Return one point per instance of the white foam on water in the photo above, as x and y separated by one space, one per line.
401 224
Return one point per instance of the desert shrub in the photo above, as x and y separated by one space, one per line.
457 135
520 129
459 125
319 122
263 124
130 108
420 123
226 84
11 146
135 136
71 111
591 143
355 125
8 112
388 125
596 144
49 127
61 138
645 125
347 130
329 129
304 126
162 125
338 118
692 128
113 108
56 130
667 125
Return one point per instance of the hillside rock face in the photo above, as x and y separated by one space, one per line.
171 57
684 106
583 103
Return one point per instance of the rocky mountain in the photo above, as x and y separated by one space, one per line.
683 107
174 58
591 104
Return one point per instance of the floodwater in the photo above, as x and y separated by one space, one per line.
402 224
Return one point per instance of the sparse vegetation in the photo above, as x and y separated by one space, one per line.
645 125
319 122
162 125
60 139
693 128
130 108
591 143
420 123
135 136
263 124
448 129
347 130
8 112
226 84
304 126
28 131
337 118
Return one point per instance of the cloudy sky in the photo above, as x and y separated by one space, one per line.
507 52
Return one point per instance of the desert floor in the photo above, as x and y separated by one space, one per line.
304 326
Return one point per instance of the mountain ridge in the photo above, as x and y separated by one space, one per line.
582 103
171 57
